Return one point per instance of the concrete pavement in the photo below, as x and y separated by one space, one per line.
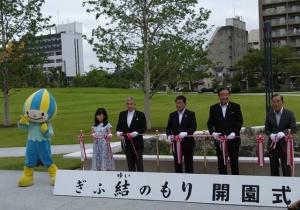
55 149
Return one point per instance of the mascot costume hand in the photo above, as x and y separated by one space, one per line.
38 110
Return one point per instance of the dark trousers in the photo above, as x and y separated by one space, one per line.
134 161
233 147
187 153
279 153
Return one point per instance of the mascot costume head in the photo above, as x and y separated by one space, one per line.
39 108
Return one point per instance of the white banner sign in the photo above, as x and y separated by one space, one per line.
197 188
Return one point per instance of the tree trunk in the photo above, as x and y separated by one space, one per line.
147 94
147 83
6 118
4 71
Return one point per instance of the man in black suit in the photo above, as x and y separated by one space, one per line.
278 121
182 123
226 119
131 125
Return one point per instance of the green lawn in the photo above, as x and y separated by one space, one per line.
76 107
17 163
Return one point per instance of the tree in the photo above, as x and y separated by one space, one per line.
173 60
251 66
19 20
131 27
284 65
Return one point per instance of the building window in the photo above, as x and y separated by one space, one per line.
50 53
58 53
58 60
50 61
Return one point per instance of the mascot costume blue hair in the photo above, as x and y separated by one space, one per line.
38 110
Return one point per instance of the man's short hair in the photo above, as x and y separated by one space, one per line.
130 98
223 88
276 95
181 97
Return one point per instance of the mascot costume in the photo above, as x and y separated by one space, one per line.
38 110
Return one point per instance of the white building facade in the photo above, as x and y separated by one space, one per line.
64 49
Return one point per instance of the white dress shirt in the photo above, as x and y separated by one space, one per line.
129 117
180 115
224 109
278 116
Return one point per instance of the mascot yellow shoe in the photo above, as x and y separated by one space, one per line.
38 110
52 173
27 178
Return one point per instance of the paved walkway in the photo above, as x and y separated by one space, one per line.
40 196
55 149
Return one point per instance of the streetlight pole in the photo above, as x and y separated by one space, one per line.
269 89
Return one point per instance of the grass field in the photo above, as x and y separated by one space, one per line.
17 163
76 107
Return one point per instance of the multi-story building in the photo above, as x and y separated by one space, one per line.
254 39
63 49
284 16
227 46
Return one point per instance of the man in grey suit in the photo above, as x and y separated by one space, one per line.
278 121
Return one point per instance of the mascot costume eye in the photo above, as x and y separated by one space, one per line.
38 110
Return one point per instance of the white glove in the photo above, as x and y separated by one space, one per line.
133 134
273 136
216 135
280 135
119 133
109 136
170 139
231 136
182 134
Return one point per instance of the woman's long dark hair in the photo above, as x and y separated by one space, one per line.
100 111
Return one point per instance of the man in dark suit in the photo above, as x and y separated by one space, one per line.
226 119
278 121
182 123
131 125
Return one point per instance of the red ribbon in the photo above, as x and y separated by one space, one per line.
260 149
290 152
223 147
82 146
177 142
129 137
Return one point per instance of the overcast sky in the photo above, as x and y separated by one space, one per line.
65 11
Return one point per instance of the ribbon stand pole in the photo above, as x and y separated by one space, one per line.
157 152
82 150
204 151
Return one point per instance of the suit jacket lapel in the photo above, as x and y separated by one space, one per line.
221 112
176 118
283 114
227 110
183 118
125 121
273 118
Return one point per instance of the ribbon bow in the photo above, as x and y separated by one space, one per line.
82 146
260 149
290 152
223 147
176 142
